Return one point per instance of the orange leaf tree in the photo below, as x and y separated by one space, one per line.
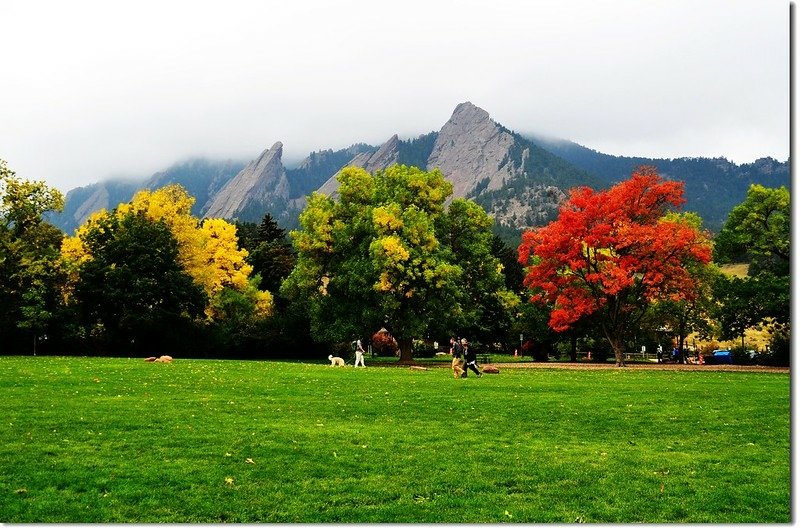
612 253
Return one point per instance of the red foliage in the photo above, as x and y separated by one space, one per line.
613 245
383 344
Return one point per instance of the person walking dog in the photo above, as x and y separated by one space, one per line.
359 353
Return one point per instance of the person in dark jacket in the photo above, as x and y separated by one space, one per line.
456 352
470 358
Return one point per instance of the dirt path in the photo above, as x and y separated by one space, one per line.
590 365
656 367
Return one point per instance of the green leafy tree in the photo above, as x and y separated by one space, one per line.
757 230
374 258
133 292
30 278
23 202
269 251
487 304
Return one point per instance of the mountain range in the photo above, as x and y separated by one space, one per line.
520 179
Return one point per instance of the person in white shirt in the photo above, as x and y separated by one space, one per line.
359 353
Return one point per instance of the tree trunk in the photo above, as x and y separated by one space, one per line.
614 329
618 354
573 352
405 350
616 341
618 348
681 339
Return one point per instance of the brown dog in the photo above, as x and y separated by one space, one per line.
458 368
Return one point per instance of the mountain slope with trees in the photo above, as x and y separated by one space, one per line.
713 185
519 179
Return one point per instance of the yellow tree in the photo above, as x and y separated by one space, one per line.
208 252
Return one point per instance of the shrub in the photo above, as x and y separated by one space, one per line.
384 345
423 349
779 350
743 356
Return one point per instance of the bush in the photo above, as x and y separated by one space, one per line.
384 345
779 350
423 349
744 356
540 352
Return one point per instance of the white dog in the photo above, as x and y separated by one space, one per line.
336 361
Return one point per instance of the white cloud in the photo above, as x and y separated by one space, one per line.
96 88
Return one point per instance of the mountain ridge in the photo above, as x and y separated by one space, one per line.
520 179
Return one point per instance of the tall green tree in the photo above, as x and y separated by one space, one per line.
30 278
377 257
487 304
133 292
757 231
269 251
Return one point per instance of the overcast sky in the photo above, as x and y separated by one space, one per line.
98 89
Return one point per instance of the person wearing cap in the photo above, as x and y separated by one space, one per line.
470 358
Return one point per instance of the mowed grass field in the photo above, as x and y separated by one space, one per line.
121 440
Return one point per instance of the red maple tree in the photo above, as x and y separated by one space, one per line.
611 253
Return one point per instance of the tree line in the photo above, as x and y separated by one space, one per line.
394 250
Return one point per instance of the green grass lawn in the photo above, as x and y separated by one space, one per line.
118 440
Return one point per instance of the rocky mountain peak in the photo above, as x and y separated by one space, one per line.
468 113
470 149
263 180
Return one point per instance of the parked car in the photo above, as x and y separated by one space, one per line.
720 356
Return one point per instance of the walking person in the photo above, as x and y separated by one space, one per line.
359 353
470 358
456 351
660 353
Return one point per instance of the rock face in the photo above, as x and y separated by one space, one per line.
97 201
518 180
470 150
260 183
386 155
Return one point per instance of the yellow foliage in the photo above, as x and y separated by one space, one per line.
394 250
386 221
74 252
383 284
223 258
323 285
735 270
173 205
209 253
264 304
316 219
